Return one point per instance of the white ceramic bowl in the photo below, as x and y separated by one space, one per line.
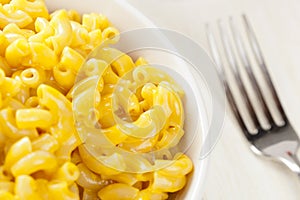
127 18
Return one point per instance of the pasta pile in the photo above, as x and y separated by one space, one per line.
43 152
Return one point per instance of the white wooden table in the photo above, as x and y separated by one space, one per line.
234 171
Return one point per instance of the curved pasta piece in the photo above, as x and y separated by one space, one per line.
68 172
10 87
118 191
91 21
24 53
12 31
10 15
45 142
66 70
41 56
174 102
9 127
110 77
74 15
71 59
34 9
59 190
129 101
84 92
33 118
66 148
90 180
80 35
17 151
33 162
177 167
167 183
93 164
122 64
111 34
64 76
26 187
83 102
94 21
126 178
95 39
149 123
43 29
170 137
62 31
17 52
32 77
60 106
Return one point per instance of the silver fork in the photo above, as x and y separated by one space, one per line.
278 142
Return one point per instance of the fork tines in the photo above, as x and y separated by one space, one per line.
253 111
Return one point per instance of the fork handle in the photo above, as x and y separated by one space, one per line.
296 160
292 161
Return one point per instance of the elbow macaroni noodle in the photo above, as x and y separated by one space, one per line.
47 151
